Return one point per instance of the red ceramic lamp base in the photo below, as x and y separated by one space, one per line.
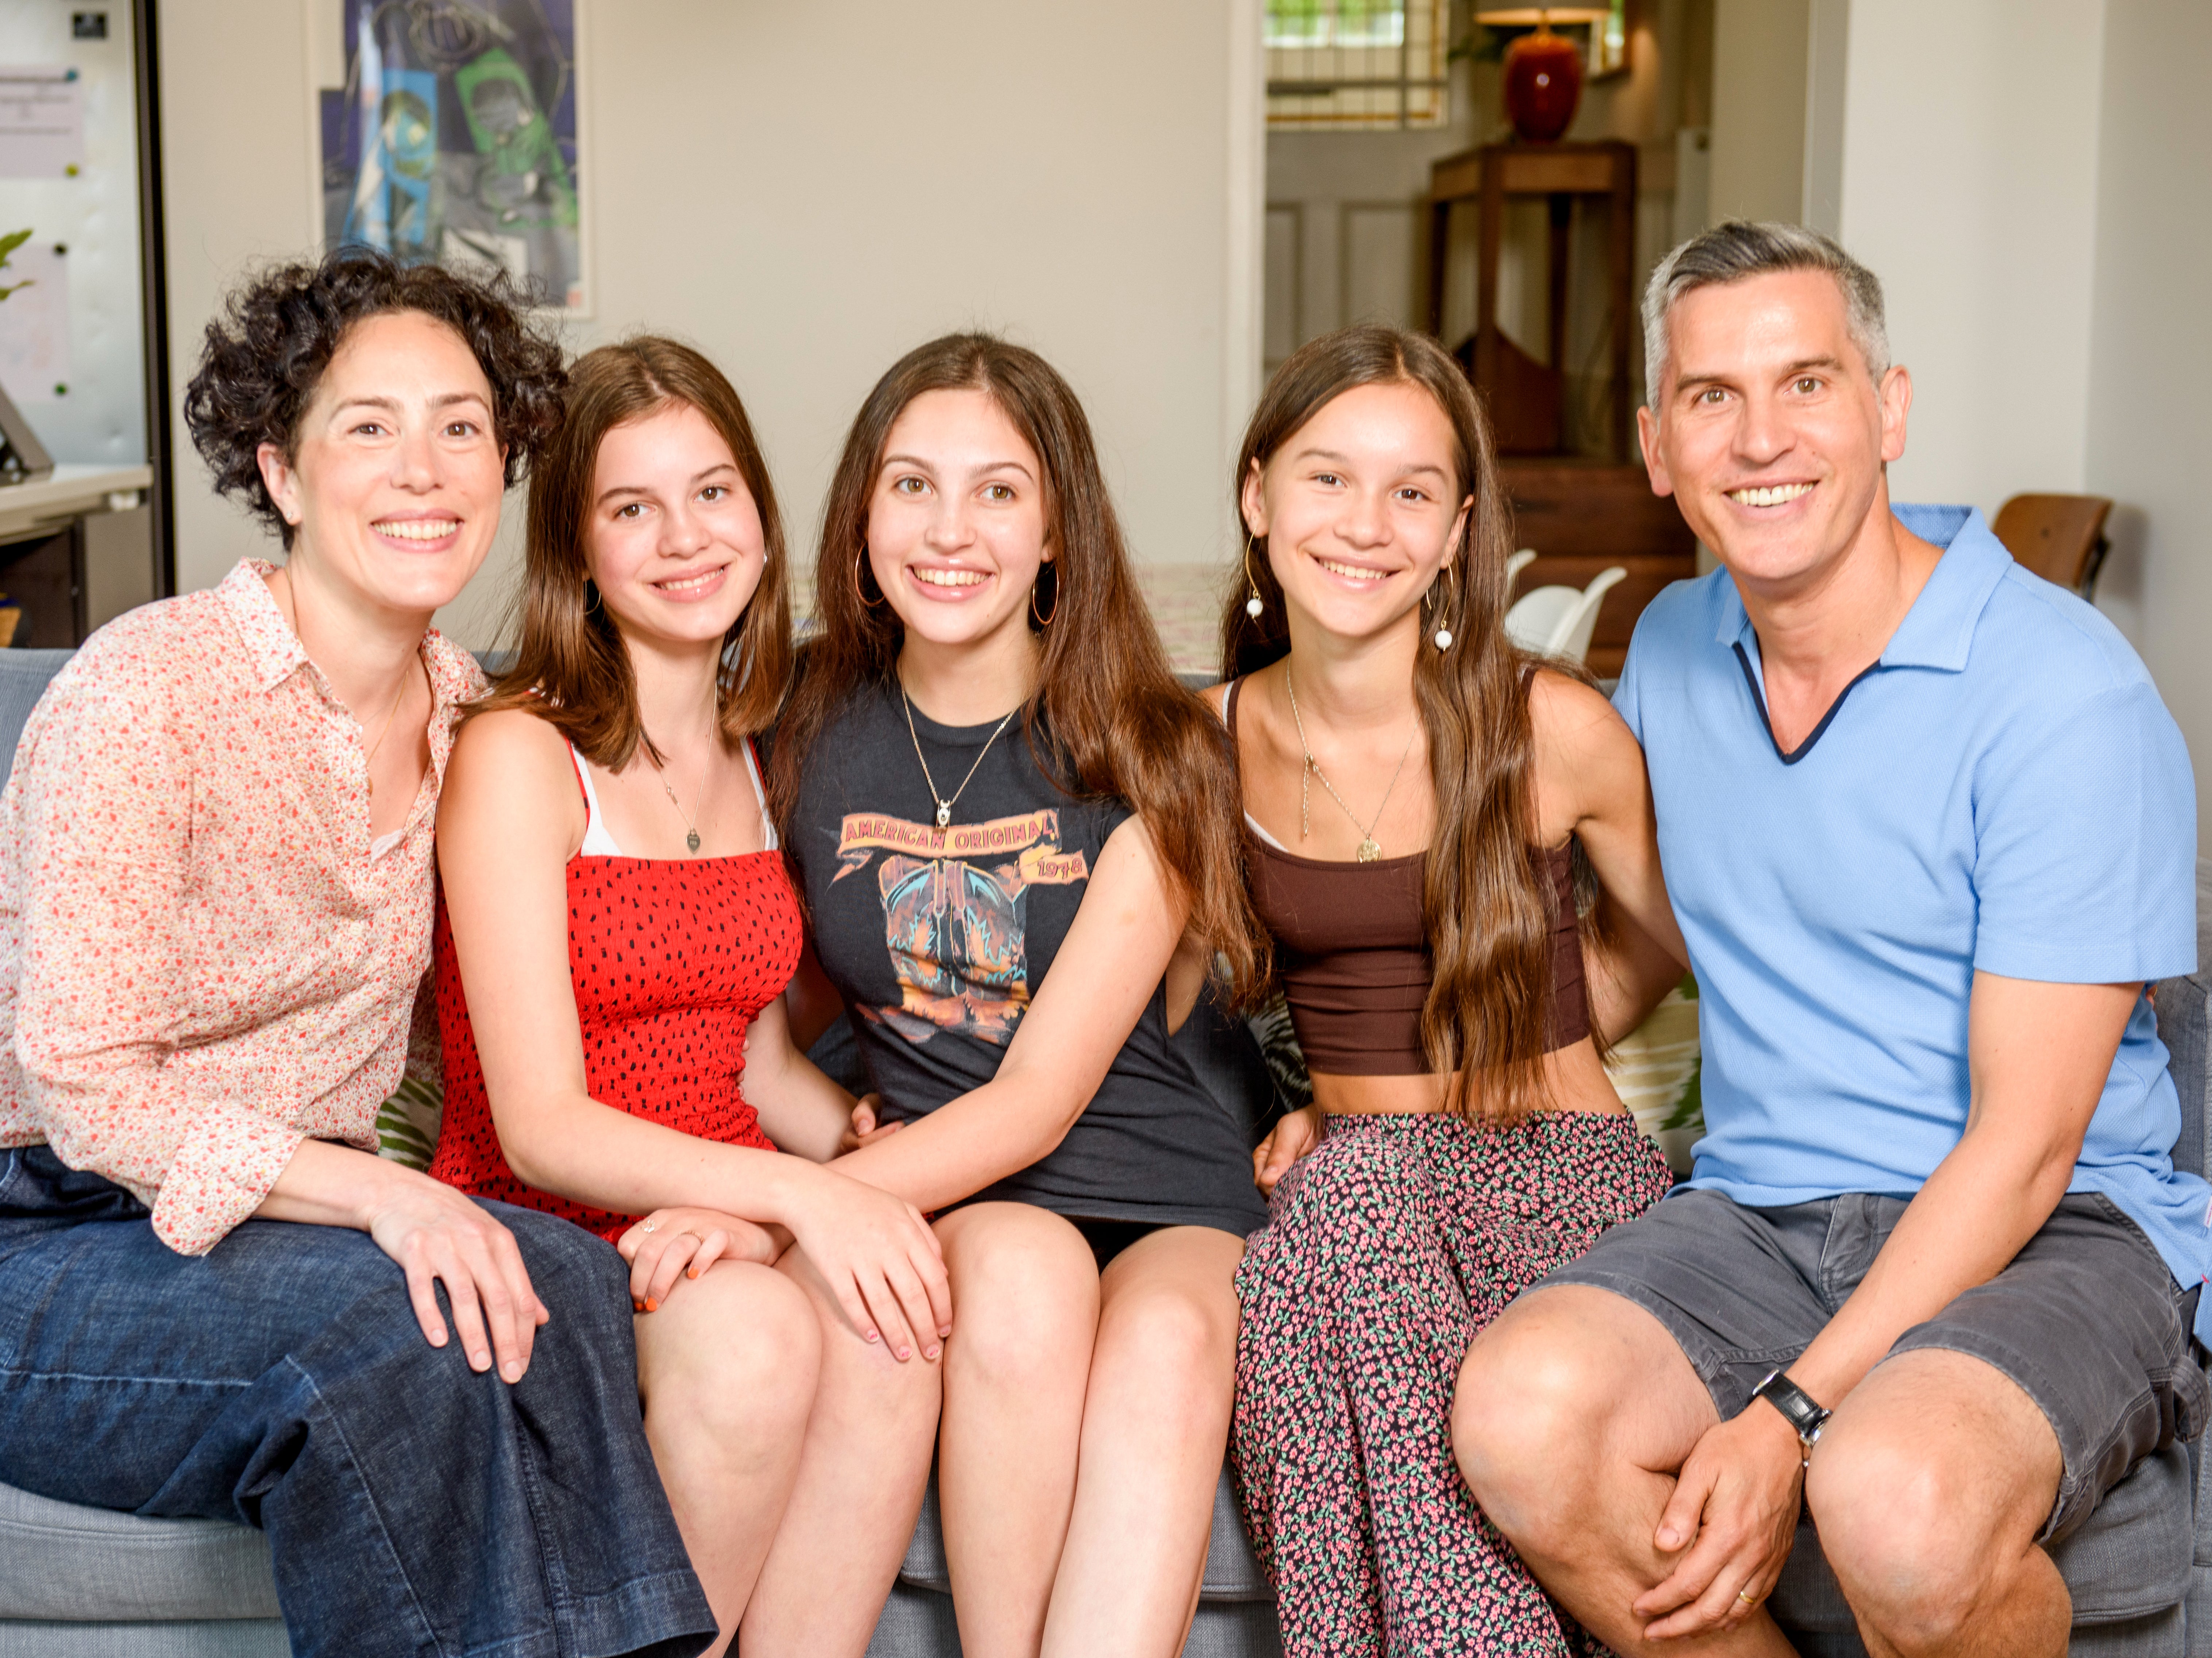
1543 85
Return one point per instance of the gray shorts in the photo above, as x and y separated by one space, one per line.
2087 1320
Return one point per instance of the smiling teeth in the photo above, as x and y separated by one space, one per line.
1351 572
419 529
686 584
951 578
1772 495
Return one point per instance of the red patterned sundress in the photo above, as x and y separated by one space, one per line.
671 959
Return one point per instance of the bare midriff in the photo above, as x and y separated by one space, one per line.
1574 1080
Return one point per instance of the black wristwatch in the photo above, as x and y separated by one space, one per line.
1797 1406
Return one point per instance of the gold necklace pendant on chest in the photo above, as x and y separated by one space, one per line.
1370 848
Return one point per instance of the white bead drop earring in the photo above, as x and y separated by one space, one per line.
1444 637
1252 605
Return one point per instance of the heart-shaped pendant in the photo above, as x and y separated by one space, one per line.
692 840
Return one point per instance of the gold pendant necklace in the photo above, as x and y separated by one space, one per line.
1370 847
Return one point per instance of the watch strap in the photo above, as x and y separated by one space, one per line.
1799 1408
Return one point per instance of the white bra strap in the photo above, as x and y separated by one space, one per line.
767 823
597 842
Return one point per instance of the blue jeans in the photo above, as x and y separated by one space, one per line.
412 1505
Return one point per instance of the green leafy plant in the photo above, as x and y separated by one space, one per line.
9 243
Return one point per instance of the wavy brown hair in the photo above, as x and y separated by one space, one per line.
1486 898
1108 718
570 666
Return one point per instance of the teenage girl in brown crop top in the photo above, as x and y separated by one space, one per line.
1413 788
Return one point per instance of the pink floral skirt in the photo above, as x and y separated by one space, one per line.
1388 1249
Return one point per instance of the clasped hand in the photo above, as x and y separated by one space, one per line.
1729 1525
672 1244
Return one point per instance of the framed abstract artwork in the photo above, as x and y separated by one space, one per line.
451 135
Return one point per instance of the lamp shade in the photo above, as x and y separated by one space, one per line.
1529 17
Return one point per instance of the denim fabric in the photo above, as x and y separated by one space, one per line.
412 1506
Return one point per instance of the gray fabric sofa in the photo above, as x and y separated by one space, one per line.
87 1582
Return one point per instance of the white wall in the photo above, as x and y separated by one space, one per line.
2149 423
807 191
1969 186
1758 156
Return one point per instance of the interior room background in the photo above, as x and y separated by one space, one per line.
806 190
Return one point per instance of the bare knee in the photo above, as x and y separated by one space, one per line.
1928 1488
1025 1296
736 1351
1526 1416
1902 1527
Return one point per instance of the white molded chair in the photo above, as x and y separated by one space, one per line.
1520 562
1558 621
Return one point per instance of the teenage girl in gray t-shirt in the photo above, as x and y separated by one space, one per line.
1016 836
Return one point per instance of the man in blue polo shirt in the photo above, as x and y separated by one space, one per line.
1928 830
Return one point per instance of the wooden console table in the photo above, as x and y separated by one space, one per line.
1527 397
75 550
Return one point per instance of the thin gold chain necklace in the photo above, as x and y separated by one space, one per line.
944 807
1370 847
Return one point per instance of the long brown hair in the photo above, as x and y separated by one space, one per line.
570 666
1487 900
1115 719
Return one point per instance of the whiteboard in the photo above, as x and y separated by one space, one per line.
82 328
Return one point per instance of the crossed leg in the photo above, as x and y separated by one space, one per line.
1929 1486
1084 1423
861 1474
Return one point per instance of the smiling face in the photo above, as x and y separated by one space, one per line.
1769 431
673 537
956 522
1361 507
393 486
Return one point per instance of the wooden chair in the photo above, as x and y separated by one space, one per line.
2060 538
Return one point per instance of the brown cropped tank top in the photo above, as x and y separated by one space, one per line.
1353 956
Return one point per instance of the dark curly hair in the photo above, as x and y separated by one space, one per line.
266 352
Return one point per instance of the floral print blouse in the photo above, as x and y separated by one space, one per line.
204 960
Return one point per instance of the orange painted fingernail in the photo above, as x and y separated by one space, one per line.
690 1272
651 1305
635 1305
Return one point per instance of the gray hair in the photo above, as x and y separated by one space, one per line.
1737 248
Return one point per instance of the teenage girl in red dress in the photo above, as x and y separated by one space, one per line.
616 936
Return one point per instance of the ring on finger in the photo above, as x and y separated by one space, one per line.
652 1226
1744 1595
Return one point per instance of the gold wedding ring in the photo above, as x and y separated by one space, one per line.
1745 1599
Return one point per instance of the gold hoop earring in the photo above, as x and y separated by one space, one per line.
1045 620
591 596
1443 636
859 588
1254 605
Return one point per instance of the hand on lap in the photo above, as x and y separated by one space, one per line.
1729 1525
669 1245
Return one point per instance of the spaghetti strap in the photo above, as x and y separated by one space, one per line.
760 794
597 841
1229 716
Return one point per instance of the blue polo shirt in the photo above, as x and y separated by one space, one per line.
2003 791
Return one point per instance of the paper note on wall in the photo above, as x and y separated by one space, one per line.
34 335
41 124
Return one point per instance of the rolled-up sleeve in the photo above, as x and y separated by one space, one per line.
104 811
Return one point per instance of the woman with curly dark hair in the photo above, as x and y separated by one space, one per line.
216 897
